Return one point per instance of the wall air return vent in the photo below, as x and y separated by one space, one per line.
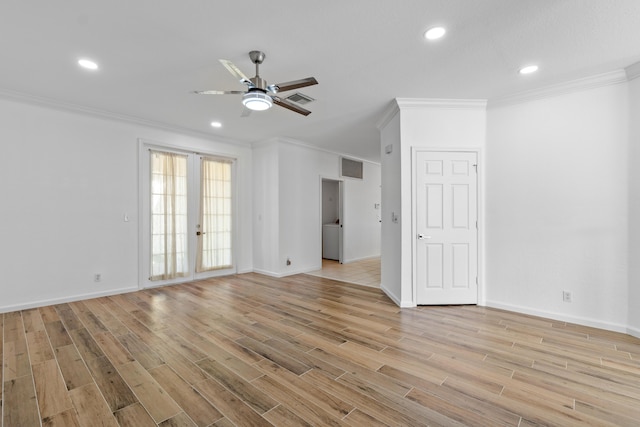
300 98
350 168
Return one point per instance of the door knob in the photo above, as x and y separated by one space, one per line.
422 236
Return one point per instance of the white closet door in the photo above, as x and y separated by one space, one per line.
446 255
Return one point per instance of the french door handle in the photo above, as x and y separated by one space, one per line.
422 237
199 233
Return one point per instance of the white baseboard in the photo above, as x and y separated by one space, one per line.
633 331
348 261
390 295
267 273
287 273
72 298
395 299
579 320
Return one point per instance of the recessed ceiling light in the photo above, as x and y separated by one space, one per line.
216 124
88 64
529 69
434 33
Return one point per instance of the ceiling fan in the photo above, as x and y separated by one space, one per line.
260 96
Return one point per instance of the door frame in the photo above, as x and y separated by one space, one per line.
144 145
480 215
340 216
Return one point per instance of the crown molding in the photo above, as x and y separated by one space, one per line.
633 71
104 114
388 115
442 103
295 142
599 80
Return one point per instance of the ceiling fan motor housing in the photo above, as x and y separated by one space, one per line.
258 83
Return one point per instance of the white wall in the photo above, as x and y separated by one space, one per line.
391 245
556 206
436 124
300 171
266 242
298 215
362 227
634 203
66 180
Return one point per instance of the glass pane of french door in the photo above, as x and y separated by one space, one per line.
169 220
214 234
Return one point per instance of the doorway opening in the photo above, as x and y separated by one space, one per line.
332 220
358 261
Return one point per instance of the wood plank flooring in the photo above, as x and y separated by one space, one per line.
250 350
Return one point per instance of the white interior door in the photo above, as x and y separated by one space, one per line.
446 233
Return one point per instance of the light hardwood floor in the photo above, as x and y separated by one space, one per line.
364 272
250 350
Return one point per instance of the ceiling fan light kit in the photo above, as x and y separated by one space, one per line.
260 96
257 101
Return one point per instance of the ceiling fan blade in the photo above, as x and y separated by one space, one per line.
295 84
219 92
290 106
236 72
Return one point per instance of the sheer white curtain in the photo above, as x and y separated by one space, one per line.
215 243
169 222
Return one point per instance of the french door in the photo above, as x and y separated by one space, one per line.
187 216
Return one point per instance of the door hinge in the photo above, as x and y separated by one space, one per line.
476 167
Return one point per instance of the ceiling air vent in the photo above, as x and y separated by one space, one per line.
350 168
300 98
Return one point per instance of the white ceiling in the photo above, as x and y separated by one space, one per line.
364 53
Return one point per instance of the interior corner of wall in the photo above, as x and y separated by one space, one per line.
633 331
398 301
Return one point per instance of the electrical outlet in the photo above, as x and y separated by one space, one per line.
566 296
97 277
